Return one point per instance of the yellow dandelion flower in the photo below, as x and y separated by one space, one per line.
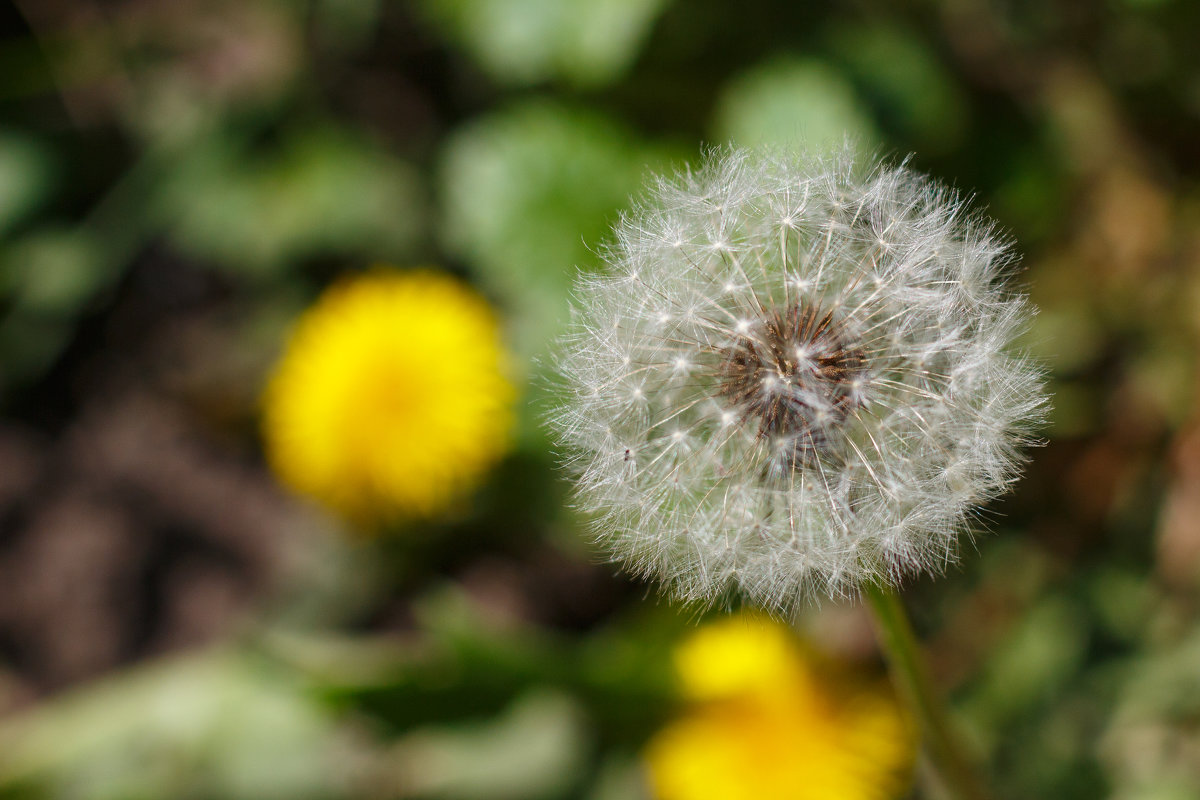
391 399
770 719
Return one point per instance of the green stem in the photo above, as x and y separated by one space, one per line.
914 684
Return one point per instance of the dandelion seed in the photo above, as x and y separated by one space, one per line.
850 396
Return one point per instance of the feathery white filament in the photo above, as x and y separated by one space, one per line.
795 378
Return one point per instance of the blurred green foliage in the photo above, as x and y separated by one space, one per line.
793 103
223 724
176 179
584 42
316 191
528 193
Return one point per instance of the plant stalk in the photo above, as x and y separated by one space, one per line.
915 686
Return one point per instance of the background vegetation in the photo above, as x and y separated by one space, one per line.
180 178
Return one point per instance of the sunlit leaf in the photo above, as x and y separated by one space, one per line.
523 41
322 192
793 102
528 195
535 749
216 725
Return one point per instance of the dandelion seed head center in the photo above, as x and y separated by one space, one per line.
799 374
807 386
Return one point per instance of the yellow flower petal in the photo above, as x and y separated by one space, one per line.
392 397
736 655
775 721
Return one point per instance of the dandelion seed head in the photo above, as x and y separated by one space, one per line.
806 384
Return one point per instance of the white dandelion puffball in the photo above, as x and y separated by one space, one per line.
794 379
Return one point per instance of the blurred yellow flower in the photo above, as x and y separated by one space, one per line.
770 719
391 399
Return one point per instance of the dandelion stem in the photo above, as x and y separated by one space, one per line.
914 684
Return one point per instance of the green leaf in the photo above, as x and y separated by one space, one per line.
214 725
586 42
791 101
536 748
1033 664
528 195
322 192
905 80
53 271
47 276
26 174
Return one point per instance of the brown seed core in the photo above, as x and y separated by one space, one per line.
795 376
